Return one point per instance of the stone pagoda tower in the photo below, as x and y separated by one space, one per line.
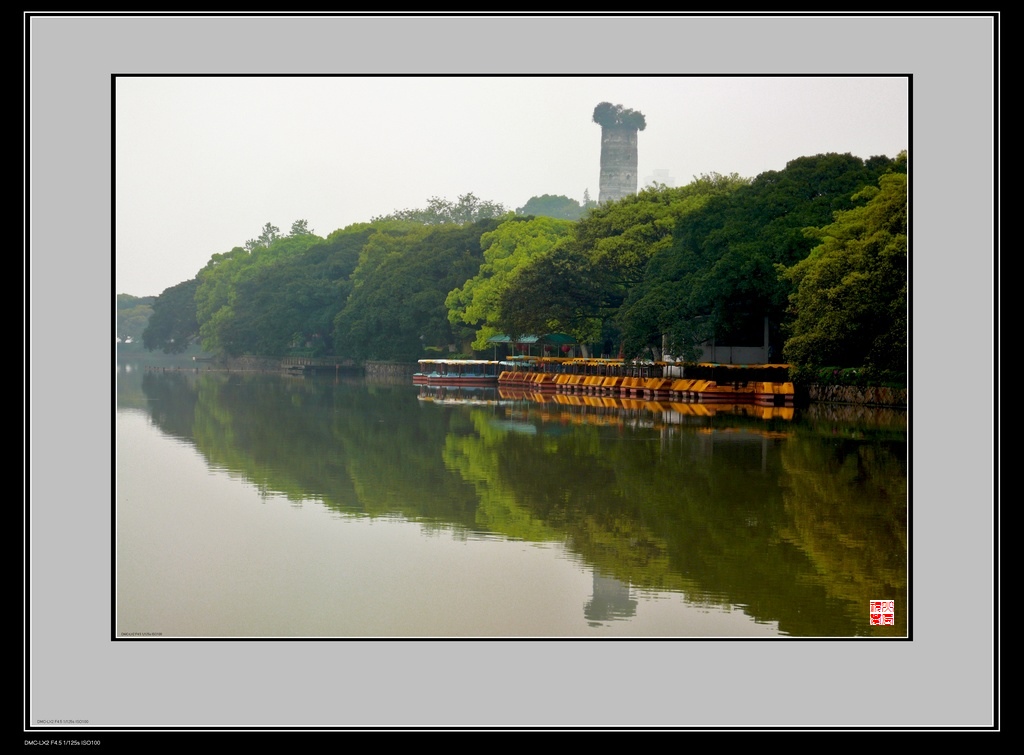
619 129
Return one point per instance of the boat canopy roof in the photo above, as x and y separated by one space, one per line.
458 361
595 361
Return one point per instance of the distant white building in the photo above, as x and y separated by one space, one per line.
660 176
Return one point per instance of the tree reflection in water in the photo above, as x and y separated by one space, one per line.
798 517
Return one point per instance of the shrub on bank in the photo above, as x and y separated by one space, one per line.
864 377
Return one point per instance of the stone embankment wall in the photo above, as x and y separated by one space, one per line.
389 370
376 370
278 364
248 364
850 394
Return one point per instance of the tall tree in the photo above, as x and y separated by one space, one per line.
173 325
468 209
300 228
849 305
281 308
268 236
223 281
507 249
405 272
562 290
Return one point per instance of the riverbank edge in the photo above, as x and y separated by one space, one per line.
818 394
854 394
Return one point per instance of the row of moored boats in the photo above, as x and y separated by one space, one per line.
765 384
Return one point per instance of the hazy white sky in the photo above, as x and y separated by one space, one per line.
202 162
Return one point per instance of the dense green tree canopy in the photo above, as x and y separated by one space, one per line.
173 325
849 307
405 272
717 276
671 267
227 315
580 290
133 313
562 291
281 298
279 309
507 249
552 206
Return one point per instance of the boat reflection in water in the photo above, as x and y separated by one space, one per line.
474 395
546 406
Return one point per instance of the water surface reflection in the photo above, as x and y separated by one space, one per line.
602 515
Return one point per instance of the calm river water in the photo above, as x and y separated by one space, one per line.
264 505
